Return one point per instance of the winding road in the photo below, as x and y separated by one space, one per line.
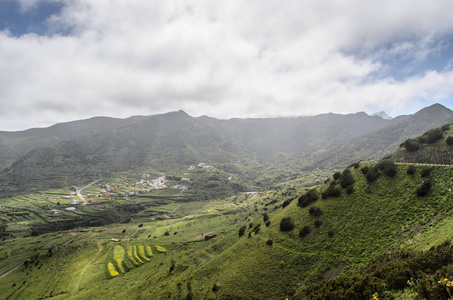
79 191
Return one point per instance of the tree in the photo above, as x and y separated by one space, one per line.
426 171
411 145
449 141
347 180
336 175
305 231
287 224
242 230
315 211
411 170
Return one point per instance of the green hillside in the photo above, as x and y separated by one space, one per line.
346 233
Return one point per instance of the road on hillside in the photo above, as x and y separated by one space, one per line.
79 191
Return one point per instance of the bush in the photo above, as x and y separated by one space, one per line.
304 231
411 145
426 171
388 167
269 242
333 191
265 217
318 223
411 170
331 233
287 224
432 136
449 141
336 175
347 180
268 223
424 189
315 211
350 190
286 203
372 175
308 198
446 127
242 230
365 170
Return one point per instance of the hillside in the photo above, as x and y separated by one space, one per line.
384 141
261 151
13 145
334 234
433 147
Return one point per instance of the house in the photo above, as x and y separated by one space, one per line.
70 208
185 179
115 240
74 202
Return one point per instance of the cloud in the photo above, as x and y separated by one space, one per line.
224 59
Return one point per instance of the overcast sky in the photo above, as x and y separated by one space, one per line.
63 60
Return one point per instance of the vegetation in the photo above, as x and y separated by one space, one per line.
377 232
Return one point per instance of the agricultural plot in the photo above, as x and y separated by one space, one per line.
136 255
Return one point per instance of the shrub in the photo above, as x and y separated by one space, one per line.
268 223
347 180
426 171
449 141
445 127
424 189
411 170
286 203
336 175
331 233
287 224
315 211
308 198
388 167
350 190
269 242
365 170
372 175
333 191
432 136
265 217
411 145
304 231
242 230
318 223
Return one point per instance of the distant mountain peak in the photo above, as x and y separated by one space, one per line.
383 115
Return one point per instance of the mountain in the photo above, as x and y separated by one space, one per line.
383 115
384 141
13 145
85 150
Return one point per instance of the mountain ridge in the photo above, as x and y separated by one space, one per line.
176 140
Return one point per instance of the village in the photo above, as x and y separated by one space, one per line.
125 190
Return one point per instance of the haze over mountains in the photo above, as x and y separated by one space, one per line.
79 150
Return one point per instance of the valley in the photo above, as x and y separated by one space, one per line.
226 214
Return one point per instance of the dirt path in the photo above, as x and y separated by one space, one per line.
83 271
12 270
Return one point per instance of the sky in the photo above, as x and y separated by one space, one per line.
64 60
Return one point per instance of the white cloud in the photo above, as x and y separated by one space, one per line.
224 59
